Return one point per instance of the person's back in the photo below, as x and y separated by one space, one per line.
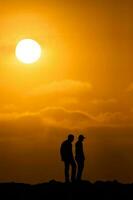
68 158
66 151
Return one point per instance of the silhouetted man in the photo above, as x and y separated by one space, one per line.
79 156
68 158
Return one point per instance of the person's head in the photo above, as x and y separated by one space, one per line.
70 137
81 138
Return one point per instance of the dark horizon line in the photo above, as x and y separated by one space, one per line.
53 181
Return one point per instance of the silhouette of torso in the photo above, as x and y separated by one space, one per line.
66 151
79 151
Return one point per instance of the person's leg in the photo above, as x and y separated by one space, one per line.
73 174
80 169
66 171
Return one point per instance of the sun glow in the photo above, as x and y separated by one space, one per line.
28 51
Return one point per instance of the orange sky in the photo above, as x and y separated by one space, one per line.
82 83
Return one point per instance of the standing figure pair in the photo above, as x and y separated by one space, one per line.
68 158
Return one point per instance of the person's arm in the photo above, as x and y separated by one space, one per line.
62 152
83 152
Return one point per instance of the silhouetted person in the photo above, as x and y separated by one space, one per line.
79 157
68 158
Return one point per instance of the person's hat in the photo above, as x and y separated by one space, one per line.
81 137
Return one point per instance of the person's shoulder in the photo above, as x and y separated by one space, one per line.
64 142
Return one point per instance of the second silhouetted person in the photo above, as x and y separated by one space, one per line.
79 157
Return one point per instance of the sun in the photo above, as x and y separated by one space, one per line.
28 51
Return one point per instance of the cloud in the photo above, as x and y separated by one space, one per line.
50 116
67 118
65 87
112 118
103 101
70 94
59 117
